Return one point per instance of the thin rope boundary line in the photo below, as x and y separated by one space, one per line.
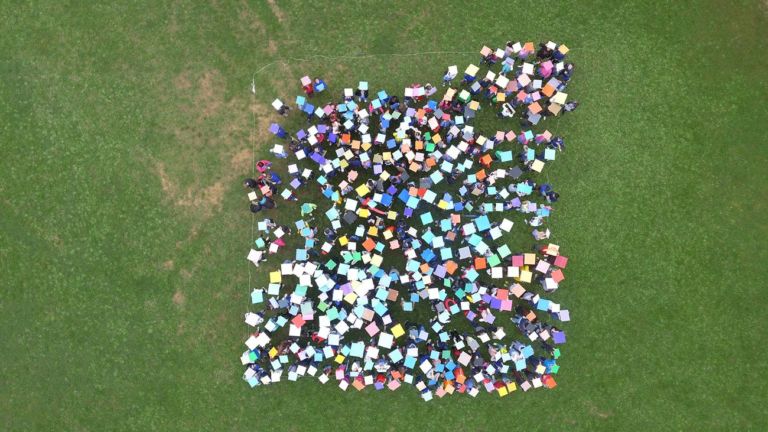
253 215
285 60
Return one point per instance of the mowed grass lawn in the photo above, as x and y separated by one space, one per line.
126 128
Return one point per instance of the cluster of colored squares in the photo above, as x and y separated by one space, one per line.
417 216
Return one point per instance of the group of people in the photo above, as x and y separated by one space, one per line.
265 184
416 208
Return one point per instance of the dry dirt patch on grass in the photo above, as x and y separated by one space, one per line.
209 98
212 141
182 82
179 299
205 200
211 134
276 11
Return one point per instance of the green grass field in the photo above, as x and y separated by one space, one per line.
125 130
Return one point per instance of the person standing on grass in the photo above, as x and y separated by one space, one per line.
267 202
281 108
362 92
544 52
263 165
291 196
309 90
565 75
430 90
250 183
506 111
274 178
571 106
552 196
319 85
557 143
506 67
280 153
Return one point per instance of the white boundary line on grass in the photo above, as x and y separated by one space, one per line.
288 60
